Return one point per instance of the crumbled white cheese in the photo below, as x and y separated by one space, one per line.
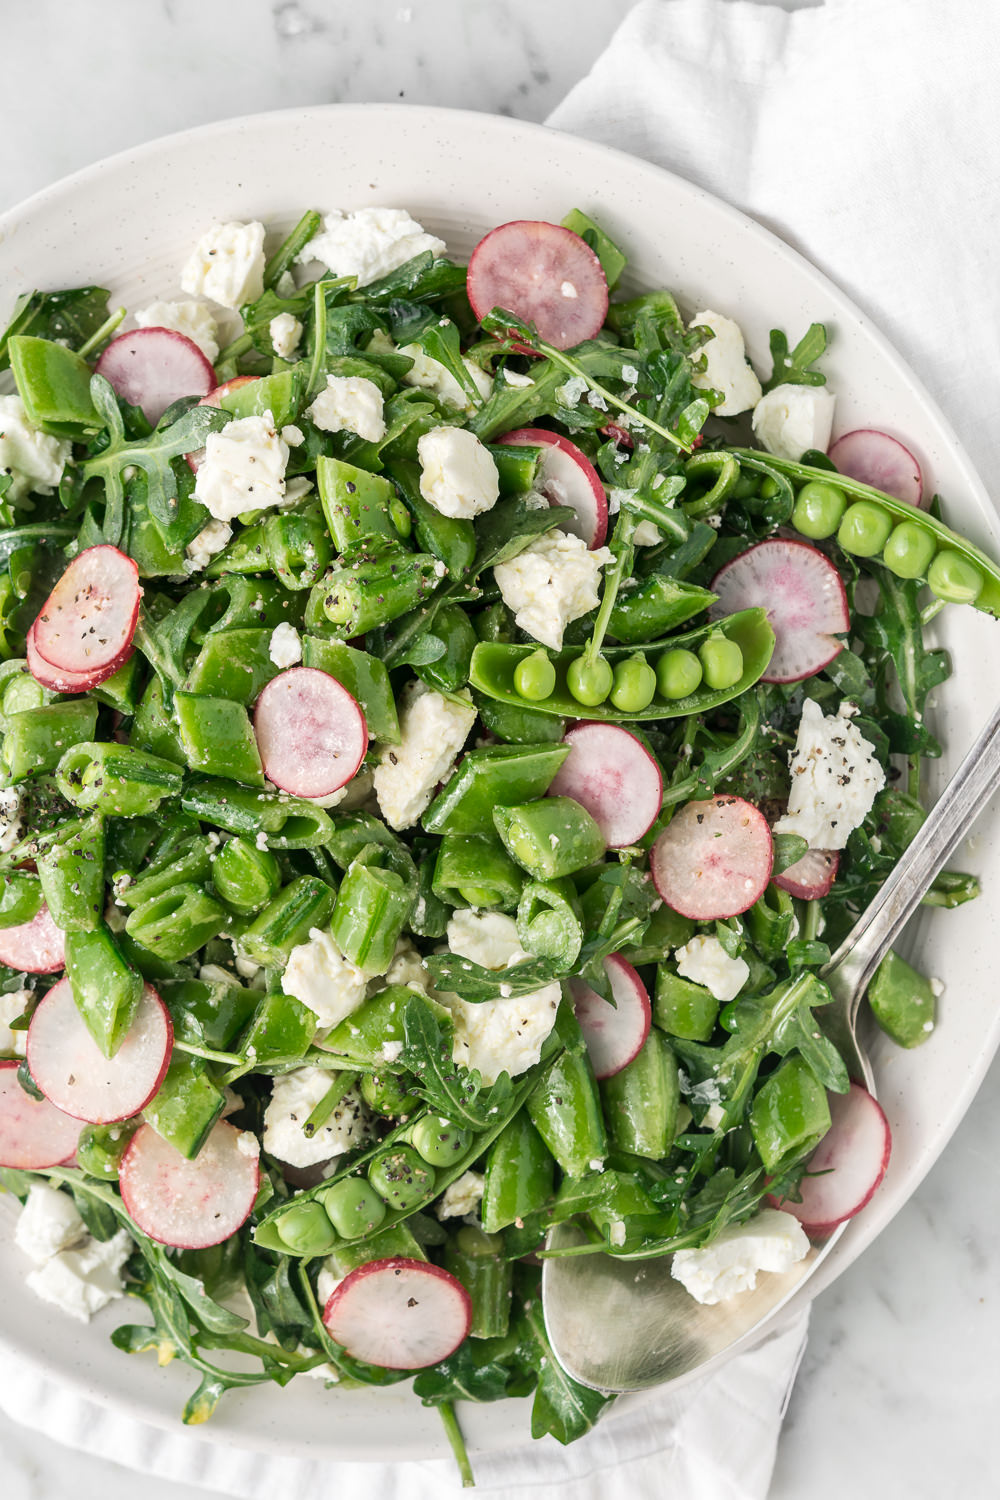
835 778
462 1197
227 265
497 1036
210 540
431 375
294 1096
407 968
433 728
349 403
294 437
617 1232
458 475
11 823
553 581
284 331
726 368
704 961
771 1241
214 974
12 1007
319 975
369 243
327 1281
48 1223
647 534
487 938
285 648
572 391
247 967
243 468
83 1280
391 1051
516 379
193 319
791 419
34 460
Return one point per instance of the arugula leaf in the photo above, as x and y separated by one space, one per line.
480 1370
70 317
440 340
454 1092
510 526
795 368
475 984
561 1407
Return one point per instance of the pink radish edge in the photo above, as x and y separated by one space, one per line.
312 734
849 1164
804 597
614 1034
399 1314
611 773
810 877
35 947
567 478
190 1204
153 367
34 1134
86 626
714 858
876 459
544 274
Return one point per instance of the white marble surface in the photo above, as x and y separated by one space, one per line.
898 1390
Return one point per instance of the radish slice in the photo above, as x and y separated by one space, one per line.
612 774
877 459
614 1034
567 477
51 677
35 947
153 367
545 275
72 1071
399 1314
86 625
850 1162
714 859
190 1204
311 734
214 398
804 597
621 435
811 876
33 1133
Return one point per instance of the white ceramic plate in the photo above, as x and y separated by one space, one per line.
128 224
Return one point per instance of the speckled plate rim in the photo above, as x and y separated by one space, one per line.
488 168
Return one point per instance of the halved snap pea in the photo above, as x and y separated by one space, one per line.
819 509
954 579
909 551
864 529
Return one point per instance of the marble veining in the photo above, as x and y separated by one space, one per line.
897 1392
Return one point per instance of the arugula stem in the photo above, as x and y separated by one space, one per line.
613 580
232 351
230 1058
292 246
105 331
930 610
455 1438
563 360
145 639
810 921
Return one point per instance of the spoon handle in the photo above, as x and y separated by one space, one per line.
958 807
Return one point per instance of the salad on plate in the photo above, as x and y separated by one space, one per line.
450 716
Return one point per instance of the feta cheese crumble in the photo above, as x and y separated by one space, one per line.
34 460
83 1279
552 582
349 403
771 1241
369 243
12 1007
209 541
227 265
433 729
462 1197
285 647
487 938
47 1224
11 822
704 961
835 778
193 319
243 468
431 375
794 418
294 1096
319 975
497 1036
284 331
458 475
726 367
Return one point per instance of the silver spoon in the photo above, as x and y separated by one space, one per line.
625 1325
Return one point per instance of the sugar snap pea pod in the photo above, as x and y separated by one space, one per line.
549 921
54 384
475 1258
654 606
721 470
71 872
186 1105
217 738
370 912
450 671
666 930
520 1174
115 779
281 1030
450 539
770 921
550 838
244 876
235 603
20 898
246 553
279 394
352 831
565 1109
19 690
106 990
100 1148
187 861
358 505
493 667
286 920
233 664
385 1244
298 549
902 1001
177 922
474 869
361 1037
374 586
516 466
208 1010
153 728
364 677
430 914
682 1008
38 738
286 822
789 1115
641 1101
519 725
494 776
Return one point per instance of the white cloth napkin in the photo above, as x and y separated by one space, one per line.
867 135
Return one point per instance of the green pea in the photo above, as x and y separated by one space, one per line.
400 1178
678 673
954 579
352 1207
744 487
439 1141
306 1229
769 487
910 550
634 685
589 681
475 1242
721 662
819 508
535 677
387 1093
864 529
